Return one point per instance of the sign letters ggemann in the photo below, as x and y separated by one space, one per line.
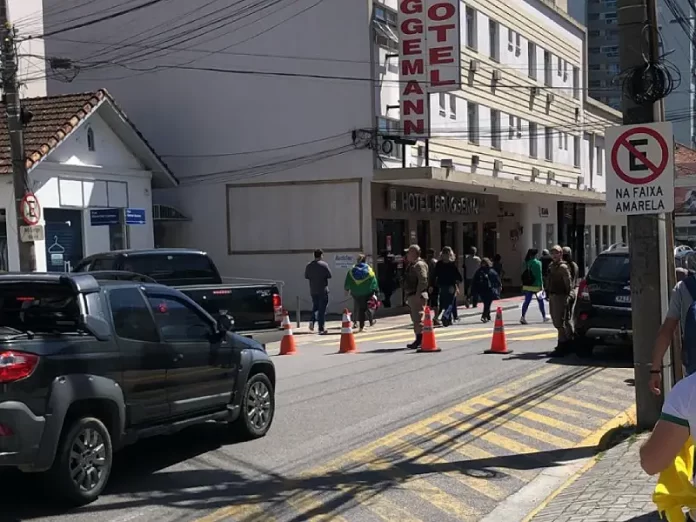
430 61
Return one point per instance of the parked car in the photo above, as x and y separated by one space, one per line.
88 366
255 308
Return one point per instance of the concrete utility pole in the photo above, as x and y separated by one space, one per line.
13 110
651 268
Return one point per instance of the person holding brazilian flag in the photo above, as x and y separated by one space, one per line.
361 283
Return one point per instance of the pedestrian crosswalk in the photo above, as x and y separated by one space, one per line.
457 464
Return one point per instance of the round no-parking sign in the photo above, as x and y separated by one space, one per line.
640 169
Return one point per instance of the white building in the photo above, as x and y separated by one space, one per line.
268 113
89 168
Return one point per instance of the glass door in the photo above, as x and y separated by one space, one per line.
469 237
423 235
64 247
446 234
490 239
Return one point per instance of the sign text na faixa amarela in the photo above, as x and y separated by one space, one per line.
430 61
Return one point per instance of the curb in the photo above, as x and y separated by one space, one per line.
600 439
465 314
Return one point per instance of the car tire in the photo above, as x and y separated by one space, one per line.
584 346
79 480
257 408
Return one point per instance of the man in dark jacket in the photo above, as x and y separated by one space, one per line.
433 290
318 273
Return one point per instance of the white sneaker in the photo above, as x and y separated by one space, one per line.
546 319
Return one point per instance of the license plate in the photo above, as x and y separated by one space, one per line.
623 299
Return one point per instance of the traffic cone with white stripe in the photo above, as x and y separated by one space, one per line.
499 342
428 343
287 344
347 339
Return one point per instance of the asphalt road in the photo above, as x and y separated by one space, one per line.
386 434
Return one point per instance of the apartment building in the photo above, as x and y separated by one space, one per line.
283 138
604 67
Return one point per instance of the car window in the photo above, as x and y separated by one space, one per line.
611 268
104 263
172 268
178 321
131 315
83 266
39 307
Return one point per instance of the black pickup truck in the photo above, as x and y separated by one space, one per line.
88 366
255 308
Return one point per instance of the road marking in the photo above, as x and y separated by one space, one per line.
587 405
250 512
538 337
522 429
536 417
488 334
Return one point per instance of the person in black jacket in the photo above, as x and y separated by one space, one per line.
447 279
546 260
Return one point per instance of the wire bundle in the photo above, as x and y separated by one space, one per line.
650 82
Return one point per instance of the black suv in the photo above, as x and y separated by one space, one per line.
88 365
603 308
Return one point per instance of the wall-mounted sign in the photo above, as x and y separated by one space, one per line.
135 216
444 203
99 217
29 234
344 260
430 50
543 212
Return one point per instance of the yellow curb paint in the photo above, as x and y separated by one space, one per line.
539 337
625 417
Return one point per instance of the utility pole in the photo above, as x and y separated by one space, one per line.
15 127
652 262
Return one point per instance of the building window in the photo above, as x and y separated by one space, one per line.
472 123
549 144
531 60
518 44
548 66
495 129
443 100
471 39
560 66
533 140
90 140
560 140
386 16
576 83
389 127
576 151
493 35
511 40
624 234
511 127
600 161
453 107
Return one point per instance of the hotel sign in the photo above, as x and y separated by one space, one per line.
443 203
430 59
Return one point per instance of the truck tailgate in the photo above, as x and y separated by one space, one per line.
252 307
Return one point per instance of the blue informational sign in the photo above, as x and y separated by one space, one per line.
104 216
135 216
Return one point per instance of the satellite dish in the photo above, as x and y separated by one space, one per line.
387 146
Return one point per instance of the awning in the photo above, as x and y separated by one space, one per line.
506 189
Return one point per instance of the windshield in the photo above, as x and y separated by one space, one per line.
611 268
39 307
173 268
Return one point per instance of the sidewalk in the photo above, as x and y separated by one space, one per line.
399 317
613 489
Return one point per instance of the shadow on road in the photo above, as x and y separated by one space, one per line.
602 357
141 476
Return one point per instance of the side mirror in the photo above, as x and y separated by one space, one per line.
97 327
225 323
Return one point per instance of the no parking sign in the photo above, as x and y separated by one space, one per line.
640 169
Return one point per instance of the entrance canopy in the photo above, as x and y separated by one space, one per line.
506 189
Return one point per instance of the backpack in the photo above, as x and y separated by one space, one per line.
527 277
689 339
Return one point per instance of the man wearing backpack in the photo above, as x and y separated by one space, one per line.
682 311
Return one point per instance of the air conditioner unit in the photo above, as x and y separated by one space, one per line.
535 173
446 163
550 97
497 75
475 159
498 165
474 65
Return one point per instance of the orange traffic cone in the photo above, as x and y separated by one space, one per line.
498 342
287 344
347 339
428 343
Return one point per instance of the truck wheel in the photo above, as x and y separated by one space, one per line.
258 408
584 346
83 461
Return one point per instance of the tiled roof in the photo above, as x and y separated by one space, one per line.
53 119
685 161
